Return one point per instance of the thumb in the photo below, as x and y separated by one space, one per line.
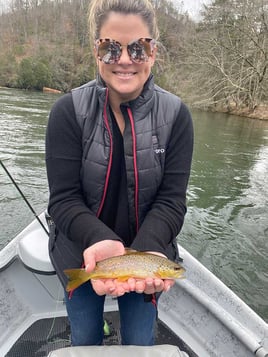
89 260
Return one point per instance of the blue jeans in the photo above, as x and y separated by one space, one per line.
85 312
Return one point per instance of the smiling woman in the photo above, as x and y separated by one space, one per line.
125 77
118 157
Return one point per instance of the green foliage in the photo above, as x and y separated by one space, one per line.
51 44
33 74
220 61
42 75
19 50
26 74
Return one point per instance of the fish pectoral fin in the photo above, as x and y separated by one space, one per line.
122 278
157 275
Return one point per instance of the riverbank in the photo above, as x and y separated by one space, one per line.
260 112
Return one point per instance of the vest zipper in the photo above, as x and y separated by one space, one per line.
106 121
134 150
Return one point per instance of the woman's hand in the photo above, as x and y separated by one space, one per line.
116 288
109 248
97 252
102 250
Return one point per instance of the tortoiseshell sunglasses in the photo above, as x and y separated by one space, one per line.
109 51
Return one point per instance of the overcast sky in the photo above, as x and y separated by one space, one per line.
192 6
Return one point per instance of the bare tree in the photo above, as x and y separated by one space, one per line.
230 53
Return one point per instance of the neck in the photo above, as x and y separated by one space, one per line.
118 117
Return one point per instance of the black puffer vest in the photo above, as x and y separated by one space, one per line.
148 124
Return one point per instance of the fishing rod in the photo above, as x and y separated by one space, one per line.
23 196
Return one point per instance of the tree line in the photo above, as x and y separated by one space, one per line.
219 62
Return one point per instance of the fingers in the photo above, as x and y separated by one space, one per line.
157 253
110 287
116 288
151 286
168 283
140 286
132 284
89 260
99 287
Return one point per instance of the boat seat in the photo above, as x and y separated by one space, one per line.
33 252
119 351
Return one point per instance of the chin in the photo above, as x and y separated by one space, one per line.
126 92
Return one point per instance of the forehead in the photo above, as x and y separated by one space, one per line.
124 27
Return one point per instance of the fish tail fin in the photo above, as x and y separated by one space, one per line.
76 278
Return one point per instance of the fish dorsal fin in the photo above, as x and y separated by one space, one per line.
130 251
133 251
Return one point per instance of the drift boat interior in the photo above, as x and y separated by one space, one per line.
199 316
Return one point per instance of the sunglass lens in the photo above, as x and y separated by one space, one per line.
109 51
139 51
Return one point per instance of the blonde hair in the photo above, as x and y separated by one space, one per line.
100 9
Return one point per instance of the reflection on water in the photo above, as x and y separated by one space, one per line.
226 226
23 119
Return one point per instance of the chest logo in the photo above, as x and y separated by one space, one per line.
159 151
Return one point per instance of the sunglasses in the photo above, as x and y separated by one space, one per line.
109 51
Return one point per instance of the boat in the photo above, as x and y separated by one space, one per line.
51 90
199 316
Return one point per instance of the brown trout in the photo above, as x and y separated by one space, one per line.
139 265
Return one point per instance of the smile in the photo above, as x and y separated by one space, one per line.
125 74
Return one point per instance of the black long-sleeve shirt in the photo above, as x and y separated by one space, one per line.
63 157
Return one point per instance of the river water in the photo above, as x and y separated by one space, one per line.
226 226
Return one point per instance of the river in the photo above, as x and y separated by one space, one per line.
226 226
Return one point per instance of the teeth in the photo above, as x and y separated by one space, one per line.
124 74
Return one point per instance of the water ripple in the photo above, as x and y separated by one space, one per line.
226 226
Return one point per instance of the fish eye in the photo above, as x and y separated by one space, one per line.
177 268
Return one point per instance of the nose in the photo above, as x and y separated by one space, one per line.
124 58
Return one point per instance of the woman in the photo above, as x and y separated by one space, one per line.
118 153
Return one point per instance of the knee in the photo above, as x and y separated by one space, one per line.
86 337
141 336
